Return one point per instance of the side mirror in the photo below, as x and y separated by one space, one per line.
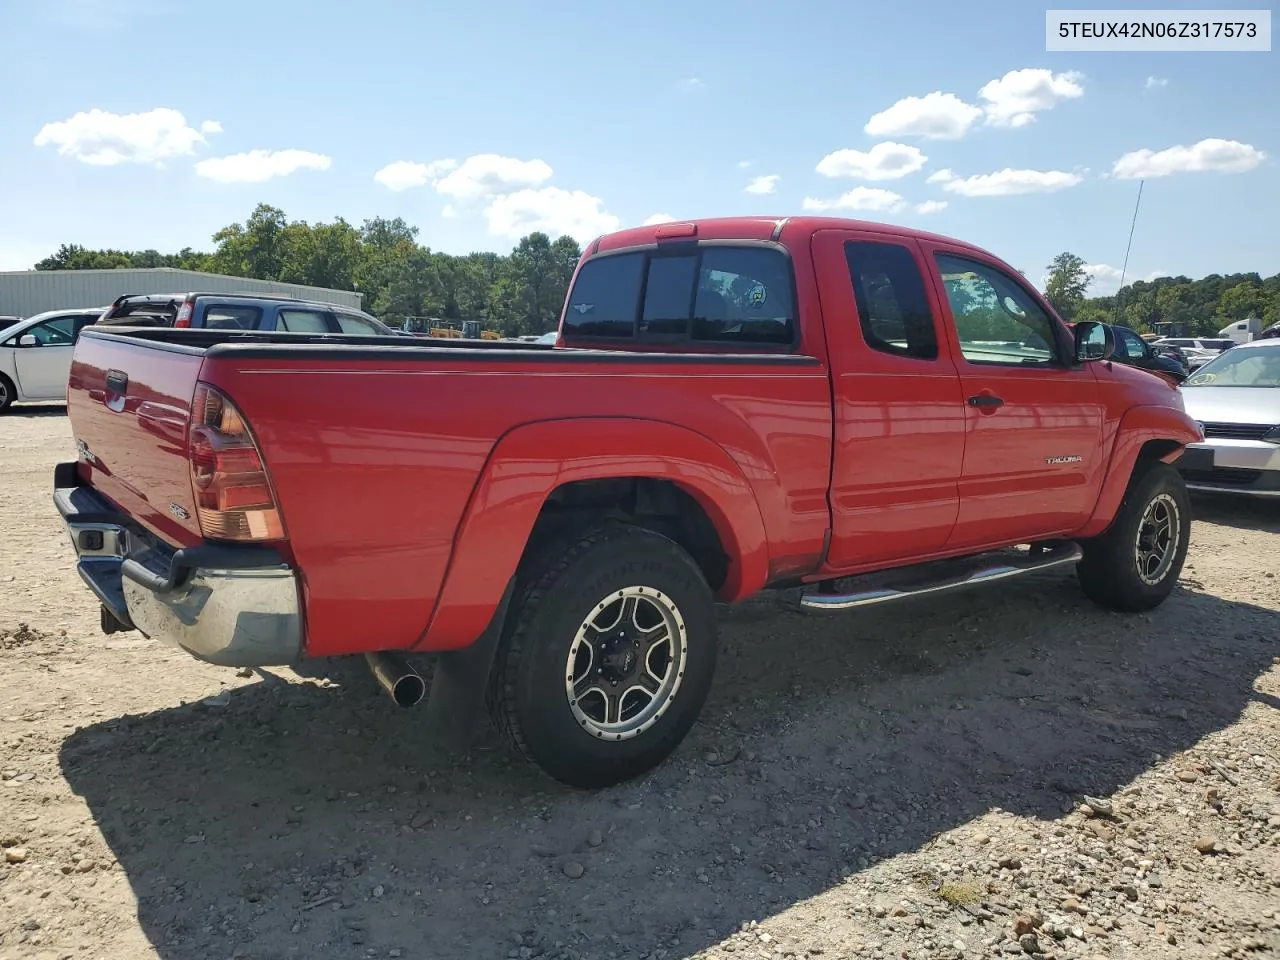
1094 341
28 340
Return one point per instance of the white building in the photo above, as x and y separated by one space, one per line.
24 293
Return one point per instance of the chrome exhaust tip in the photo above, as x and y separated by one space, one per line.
393 673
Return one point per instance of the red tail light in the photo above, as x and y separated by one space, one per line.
234 497
183 319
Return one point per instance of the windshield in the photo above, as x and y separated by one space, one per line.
1241 367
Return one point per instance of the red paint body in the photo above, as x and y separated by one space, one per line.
409 481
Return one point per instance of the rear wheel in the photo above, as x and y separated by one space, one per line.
608 657
7 393
1135 565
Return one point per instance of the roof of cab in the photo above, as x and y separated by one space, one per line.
759 228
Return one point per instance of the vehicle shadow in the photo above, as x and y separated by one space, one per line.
1243 513
313 819
37 410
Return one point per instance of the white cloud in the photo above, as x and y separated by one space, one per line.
931 206
550 210
694 83
935 116
767 184
1212 155
257 166
406 174
1006 182
859 198
657 218
490 175
211 126
884 161
1016 98
449 213
1154 83
743 164
103 139
1106 278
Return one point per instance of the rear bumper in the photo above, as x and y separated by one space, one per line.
236 606
1219 465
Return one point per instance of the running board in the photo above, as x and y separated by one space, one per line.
938 576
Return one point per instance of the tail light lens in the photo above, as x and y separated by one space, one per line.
183 319
234 497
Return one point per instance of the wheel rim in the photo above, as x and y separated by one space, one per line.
1156 544
4 393
626 663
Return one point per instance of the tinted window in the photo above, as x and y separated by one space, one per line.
737 294
605 297
744 295
893 308
57 332
1129 343
350 323
302 321
667 294
996 319
224 317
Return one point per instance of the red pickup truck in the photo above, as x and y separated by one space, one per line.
859 410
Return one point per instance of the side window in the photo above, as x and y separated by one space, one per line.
893 307
302 321
350 323
1133 346
605 297
225 317
744 296
998 322
58 332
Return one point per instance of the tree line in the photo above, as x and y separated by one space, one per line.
520 293
1198 308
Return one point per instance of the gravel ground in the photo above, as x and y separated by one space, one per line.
1009 772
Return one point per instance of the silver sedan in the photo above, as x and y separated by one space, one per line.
1236 399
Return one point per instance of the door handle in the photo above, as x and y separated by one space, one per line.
986 400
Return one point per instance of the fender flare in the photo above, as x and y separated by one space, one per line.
531 461
1138 427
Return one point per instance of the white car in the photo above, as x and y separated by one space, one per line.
1236 400
35 355
1197 350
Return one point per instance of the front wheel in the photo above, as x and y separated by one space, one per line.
1135 565
607 658
7 393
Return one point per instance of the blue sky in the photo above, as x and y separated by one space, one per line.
152 123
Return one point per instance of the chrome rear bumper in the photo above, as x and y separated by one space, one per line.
236 606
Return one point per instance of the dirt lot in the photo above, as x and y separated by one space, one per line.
905 783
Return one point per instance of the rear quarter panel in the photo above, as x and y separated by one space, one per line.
376 461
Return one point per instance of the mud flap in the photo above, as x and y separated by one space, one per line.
459 680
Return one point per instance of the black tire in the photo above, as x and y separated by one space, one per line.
555 610
1110 571
7 393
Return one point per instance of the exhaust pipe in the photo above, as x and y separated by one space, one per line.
401 681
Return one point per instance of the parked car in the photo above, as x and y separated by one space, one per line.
1236 400
1198 351
864 411
1131 349
217 311
35 355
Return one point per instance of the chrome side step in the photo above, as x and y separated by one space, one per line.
938 577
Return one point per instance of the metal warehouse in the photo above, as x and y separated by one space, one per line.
24 293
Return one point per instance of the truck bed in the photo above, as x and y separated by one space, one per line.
376 448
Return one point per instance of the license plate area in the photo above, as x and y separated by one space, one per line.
1196 459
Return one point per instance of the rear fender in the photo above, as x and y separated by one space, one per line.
1138 427
531 461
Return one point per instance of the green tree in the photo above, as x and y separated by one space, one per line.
1067 284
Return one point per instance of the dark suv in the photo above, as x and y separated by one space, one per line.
219 311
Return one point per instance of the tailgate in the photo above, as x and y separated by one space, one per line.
129 401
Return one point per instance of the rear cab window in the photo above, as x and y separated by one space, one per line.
733 294
221 316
